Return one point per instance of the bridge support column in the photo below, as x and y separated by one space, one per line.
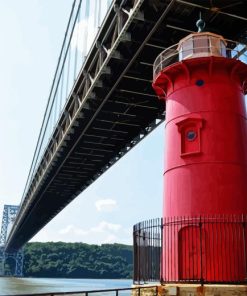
2 260
9 215
19 258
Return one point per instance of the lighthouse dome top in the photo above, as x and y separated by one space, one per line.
201 44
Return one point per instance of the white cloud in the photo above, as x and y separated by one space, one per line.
86 29
72 229
83 35
105 205
102 227
111 238
42 236
105 226
104 232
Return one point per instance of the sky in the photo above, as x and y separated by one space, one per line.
31 33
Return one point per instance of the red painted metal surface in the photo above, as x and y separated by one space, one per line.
206 137
206 152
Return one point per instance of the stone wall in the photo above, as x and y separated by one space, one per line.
191 290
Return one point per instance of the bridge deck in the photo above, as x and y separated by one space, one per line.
112 105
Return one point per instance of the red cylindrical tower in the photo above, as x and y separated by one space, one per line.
206 141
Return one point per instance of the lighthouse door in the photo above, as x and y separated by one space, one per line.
191 242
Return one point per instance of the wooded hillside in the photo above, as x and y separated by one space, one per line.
78 260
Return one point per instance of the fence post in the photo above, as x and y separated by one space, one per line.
139 254
144 254
201 264
244 246
161 251
134 252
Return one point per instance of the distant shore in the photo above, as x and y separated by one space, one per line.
76 260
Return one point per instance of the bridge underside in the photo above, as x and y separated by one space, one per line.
110 112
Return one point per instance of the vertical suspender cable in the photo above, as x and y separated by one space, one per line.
87 17
61 93
43 126
68 70
62 69
99 15
68 48
77 45
95 14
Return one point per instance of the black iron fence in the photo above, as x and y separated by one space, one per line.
135 291
147 239
204 249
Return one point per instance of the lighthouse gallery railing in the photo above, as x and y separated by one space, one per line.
204 249
172 54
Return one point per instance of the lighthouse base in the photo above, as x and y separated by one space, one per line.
192 290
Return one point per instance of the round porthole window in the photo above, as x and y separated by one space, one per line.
199 82
191 135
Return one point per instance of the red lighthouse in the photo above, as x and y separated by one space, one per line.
205 177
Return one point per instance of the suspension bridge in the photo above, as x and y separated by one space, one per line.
101 103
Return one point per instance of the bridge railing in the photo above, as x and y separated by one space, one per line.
135 291
84 22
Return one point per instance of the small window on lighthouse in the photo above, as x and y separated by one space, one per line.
190 134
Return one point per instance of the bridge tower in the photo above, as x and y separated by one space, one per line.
205 177
9 215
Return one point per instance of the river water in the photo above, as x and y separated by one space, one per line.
15 286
